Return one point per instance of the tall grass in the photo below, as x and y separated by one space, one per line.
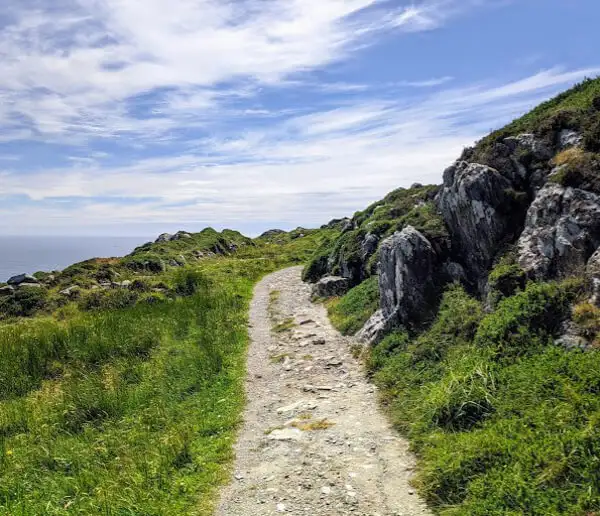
129 411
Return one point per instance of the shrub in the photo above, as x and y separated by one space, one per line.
351 312
456 323
25 302
187 282
114 299
526 321
587 317
505 280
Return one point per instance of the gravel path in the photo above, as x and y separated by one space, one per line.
313 441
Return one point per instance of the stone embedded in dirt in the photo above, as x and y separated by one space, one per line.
285 434
319 342
306 321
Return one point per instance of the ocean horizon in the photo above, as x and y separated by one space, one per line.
29 254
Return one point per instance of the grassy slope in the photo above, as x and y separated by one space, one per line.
131 411
503 421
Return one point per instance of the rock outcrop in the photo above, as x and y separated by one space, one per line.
477 204
407 283
561 233
331 286
21 279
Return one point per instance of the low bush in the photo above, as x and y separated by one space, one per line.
351 312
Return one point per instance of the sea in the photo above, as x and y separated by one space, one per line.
29 254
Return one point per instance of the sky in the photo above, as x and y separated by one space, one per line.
129 117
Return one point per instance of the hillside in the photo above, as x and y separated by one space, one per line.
480 300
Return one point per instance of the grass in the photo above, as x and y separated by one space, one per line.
503 422
131 408
312 426
284 326
349 313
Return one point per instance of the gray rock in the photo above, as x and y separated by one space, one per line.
569 138
71 291
455 272
122 284
7 291
22 278
407 277
593 275
561 233
537 147
181 235
347 225
29 285
374 329
331 286
165 237
368 246
474 203
416 185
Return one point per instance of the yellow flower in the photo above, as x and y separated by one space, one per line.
9 452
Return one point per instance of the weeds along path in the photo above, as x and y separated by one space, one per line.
313 442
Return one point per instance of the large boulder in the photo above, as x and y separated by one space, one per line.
407 283
22 278
562 231
331 286
181 235
479 207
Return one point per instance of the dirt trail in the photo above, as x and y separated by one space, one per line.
313 441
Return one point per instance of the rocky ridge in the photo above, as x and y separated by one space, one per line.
531 198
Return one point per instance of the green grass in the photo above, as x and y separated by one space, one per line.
503 422
349 313
131 409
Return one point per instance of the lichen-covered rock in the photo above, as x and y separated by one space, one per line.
368 246
478 206
331 286
408 269
561 233
164 237
374 329
593 275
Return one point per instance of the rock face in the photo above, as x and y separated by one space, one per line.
331 286
407 283
561 233
475 203
593 275
22 278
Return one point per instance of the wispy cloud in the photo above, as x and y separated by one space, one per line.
306 167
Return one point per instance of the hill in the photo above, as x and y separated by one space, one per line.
480 300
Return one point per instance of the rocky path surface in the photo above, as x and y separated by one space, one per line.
313 441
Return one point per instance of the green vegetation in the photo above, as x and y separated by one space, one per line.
344 254
127 401
349 313
503 421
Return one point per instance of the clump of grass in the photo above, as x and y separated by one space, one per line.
313 426
587 317
280 358
284 326
352 311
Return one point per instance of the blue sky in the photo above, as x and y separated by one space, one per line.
129 117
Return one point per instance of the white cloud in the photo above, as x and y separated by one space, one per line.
303 169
